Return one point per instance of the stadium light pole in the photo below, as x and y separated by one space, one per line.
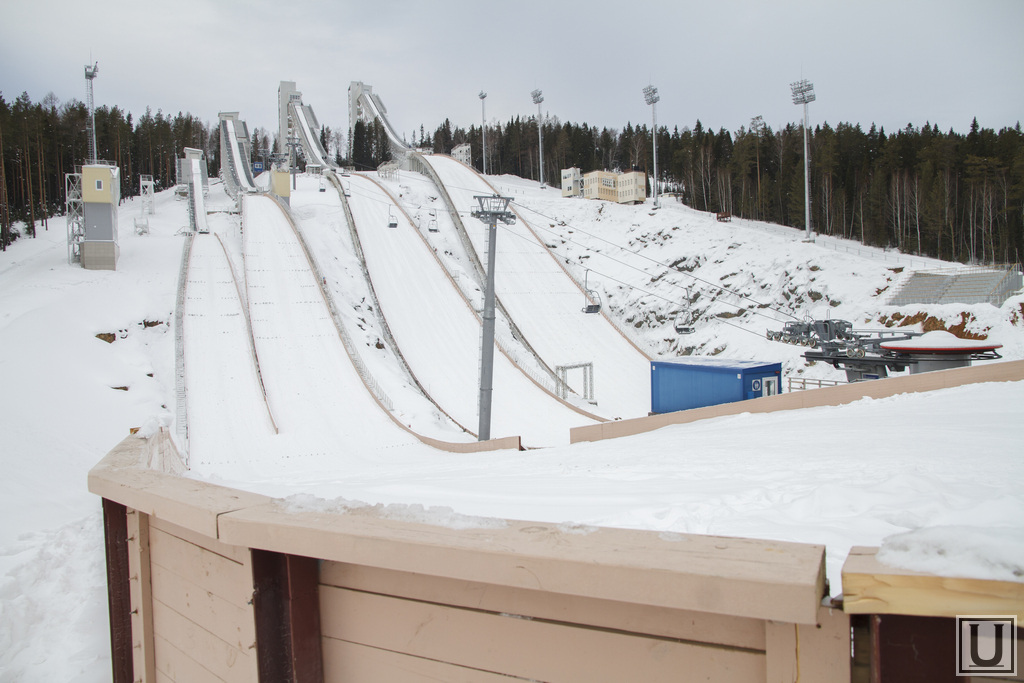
493 208
803 93
537 99
651 97
483 128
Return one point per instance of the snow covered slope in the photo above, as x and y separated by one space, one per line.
944 462
439 334
547 305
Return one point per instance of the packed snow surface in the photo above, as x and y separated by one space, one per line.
936 474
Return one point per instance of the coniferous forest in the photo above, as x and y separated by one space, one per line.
953 195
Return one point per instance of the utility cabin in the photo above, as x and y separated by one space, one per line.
685 383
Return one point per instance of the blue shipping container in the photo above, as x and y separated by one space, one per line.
685 383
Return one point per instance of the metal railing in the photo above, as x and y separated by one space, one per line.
181 421
804 383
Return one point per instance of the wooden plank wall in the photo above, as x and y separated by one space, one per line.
199 607
383 625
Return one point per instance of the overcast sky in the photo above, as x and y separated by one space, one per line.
889 62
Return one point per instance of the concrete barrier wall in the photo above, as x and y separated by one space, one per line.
829 396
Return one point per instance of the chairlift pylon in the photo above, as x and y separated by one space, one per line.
684 321
592 300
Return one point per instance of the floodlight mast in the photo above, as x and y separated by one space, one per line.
537 99
803 92
483 128
651 97
493 208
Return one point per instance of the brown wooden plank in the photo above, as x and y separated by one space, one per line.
732 576
140 567
304 619
869 587
287 615
231 623
656 621
119 602
215 573
174 666
207 650
911 649
345 661
532 649
273 642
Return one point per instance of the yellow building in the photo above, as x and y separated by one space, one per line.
101 194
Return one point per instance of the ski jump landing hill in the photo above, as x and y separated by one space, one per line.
539 297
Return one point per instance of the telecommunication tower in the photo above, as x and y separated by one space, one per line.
90 75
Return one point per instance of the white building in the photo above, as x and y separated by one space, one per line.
623 188
463 153
572 182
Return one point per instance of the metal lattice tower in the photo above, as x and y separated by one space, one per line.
90 75
75 209
146 191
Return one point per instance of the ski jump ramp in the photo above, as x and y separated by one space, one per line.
235 154
298 118
196 198
364 105
308 138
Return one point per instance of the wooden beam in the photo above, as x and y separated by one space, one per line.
912 649
286 605
141 569
728 576
870 587
115 531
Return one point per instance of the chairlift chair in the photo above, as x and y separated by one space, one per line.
392 219
323 184
684 321
592 300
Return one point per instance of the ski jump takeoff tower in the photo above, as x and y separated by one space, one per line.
92 197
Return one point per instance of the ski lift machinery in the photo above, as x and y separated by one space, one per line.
592 298
684 321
